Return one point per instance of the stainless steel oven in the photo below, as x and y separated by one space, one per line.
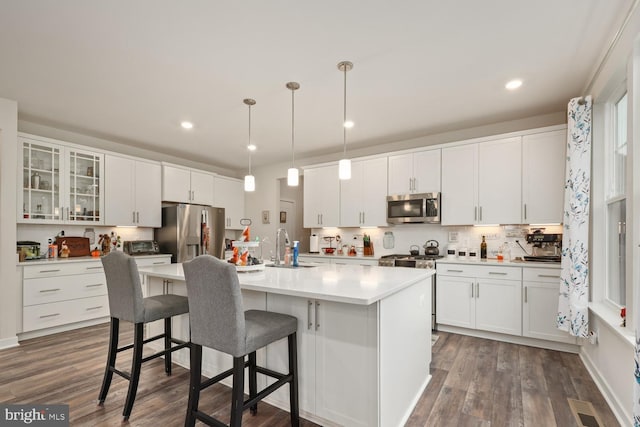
417 261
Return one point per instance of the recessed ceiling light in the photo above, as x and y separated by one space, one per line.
186 125
348 124
513 84
251 147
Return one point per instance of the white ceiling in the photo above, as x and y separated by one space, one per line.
130 71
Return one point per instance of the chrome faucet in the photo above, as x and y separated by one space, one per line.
286 242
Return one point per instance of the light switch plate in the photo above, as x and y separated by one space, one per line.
453 237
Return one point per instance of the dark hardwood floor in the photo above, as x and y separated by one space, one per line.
476 382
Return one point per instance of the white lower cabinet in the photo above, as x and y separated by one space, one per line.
480 297
329 359
55 294
541 287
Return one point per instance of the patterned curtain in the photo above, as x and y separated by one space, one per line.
573 306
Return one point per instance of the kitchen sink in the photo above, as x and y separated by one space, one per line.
290 266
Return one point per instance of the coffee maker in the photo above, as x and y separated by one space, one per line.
546 247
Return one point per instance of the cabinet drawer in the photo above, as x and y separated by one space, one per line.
56 269
47 290
63 312
548 275
499 272
462 270
145 262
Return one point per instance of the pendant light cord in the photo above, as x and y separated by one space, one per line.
249 139
344 121
293 109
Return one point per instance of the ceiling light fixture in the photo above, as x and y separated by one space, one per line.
186 125
344 166
250 180
513 84
292 172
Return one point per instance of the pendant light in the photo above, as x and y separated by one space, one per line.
292 172
250 180
344 166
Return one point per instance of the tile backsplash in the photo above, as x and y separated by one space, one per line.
418 234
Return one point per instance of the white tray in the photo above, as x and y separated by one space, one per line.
249 268
239 244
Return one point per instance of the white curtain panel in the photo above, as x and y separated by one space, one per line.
573 306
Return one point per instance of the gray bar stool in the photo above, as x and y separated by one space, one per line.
126 303
218 321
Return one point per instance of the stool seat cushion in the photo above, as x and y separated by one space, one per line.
162 306
265 327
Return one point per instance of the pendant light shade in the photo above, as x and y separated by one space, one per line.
344 166
292 172
250 180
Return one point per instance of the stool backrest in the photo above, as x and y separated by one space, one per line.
123 285
216 312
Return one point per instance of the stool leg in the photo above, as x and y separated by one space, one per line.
114 328
293 386
253 381
237 395
167 345
194 384
138 338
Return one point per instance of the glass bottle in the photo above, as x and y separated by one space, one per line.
483 249
388 241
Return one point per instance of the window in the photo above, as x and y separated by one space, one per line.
616 211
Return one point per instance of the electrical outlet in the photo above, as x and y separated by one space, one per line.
453 237
593 337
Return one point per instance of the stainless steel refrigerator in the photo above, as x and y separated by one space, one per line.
191 230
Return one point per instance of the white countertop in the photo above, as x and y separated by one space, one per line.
353 284
336 256
78 259
494 262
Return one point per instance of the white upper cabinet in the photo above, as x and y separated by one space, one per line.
184 185
132 192
499 181
543 174
229 194
363 197
417 172
459 185
321 197
60 183
481 183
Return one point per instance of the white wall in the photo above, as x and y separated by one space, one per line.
8 185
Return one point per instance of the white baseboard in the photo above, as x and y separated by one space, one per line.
621 415
9 342
62 328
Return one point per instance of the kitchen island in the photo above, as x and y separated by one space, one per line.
364 337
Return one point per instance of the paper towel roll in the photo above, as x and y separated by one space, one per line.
314 244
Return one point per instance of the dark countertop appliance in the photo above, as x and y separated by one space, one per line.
546 247
141 247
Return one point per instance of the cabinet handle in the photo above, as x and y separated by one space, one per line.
133 216
472 293
525 211
498 273
363 221
455 271
159 262
321 219
49 290
50 315
525 294
138 217
477 290
94 268
475 213
480 213
49 271
549 276
309 324
95 285
93 308
317 310
68 217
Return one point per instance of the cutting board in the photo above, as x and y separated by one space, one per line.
78 246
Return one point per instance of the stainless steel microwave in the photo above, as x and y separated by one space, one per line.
413 208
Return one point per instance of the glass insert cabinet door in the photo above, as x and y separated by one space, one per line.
41 185
84 186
